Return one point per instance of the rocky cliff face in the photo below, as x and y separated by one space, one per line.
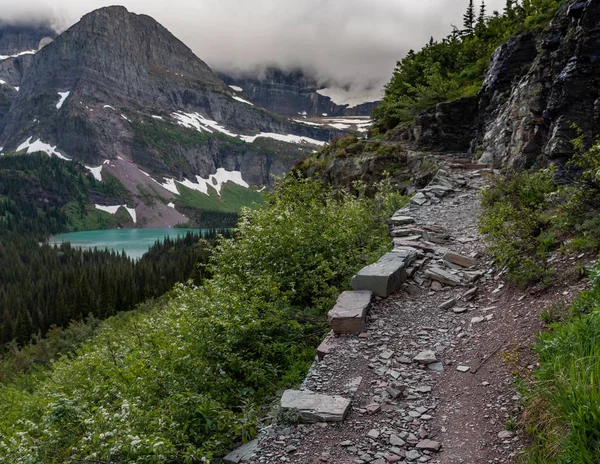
120 91
562 88
536 88
291 94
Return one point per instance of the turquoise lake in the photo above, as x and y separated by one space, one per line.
135 242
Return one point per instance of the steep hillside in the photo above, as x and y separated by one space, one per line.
119 93
292 93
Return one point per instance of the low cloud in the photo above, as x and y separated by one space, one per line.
351 42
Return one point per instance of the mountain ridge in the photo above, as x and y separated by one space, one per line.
119 90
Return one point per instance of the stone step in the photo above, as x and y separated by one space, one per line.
399 220
403 242
384 277
407 232
349 315
314 407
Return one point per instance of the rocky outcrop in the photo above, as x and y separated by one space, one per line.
291 93
13 69
536 87
533 125
447 126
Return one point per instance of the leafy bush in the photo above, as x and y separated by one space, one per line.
514 224
187 379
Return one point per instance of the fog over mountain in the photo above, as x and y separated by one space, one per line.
351 42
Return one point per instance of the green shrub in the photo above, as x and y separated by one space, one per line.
514 224
185 381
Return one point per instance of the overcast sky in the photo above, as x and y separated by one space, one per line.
348 40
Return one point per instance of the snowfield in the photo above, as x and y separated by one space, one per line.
216 181
6 57
283 138
38 145
201 124
96 172
242 100
236 88
114 209
63 96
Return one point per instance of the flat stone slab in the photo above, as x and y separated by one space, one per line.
460 260
349 315
401 220
435 273
243 453
314 407
406 231
384 277
403 242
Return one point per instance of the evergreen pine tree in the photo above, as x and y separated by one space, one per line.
481 19
469 19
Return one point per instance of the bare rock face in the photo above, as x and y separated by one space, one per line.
562 87
447 126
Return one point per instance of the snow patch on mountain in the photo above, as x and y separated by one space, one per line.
282 138
242 100
96 172
200 123
63 96
216 181
6 57
168 184
132 213
236 88
38 145
115 208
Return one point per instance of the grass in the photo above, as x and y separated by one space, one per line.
563 406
